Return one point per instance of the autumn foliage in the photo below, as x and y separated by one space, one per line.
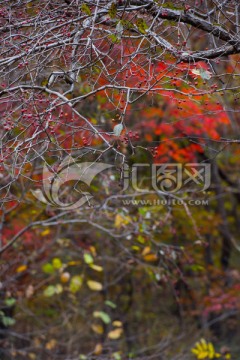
135 272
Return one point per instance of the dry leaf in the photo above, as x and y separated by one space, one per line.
93 250
150 257
115 334
51 344
21 268
98 329
146 250
98 349
29 291
121 220
32 356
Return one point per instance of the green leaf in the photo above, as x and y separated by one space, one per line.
58 289
49 291
111 304
48 268
114 38
117 356
127 24
75 283
112 12
10 302
88 258
86 9
53 290
103 316
8 321
141 25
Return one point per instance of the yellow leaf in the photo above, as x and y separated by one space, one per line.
72 263
51 344
37 342
118 221
21 268
194 351
141 239
135 248
57 263
94 285
198 346
150 257
121 220
115 334
32 356
146 250
98 349
44 82
204 350
93 250
204 344
98 329
96 267
45 232
117 323
211 350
